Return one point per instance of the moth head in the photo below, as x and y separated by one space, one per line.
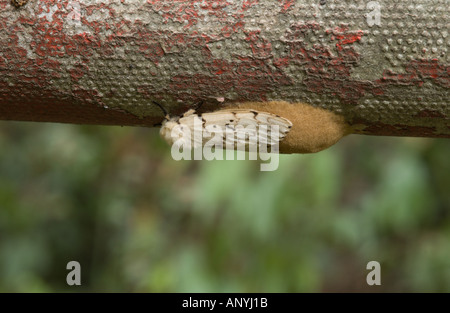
172 131
166 131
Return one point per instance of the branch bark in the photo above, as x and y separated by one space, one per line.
383 66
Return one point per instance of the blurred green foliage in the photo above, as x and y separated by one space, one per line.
113 199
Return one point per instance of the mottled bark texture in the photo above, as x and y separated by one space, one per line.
382 65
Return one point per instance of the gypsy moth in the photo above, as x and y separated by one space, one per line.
227 128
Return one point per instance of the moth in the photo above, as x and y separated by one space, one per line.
229 128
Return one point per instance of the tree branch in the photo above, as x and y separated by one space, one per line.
383 66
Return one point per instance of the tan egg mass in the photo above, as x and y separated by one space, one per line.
314 129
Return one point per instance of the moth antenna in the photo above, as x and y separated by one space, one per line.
166 114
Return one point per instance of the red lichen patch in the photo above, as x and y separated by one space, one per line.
190 11
150 47
261 47
431 69
286 5
91 9
78 71
344 36
154 45
330 73
248 3
391 78
300 30
15 58
325 71
249 78
318 60
82 45
416 73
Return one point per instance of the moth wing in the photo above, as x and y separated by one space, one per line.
195 124
188 120
242 126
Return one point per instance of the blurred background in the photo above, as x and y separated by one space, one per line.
113 199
